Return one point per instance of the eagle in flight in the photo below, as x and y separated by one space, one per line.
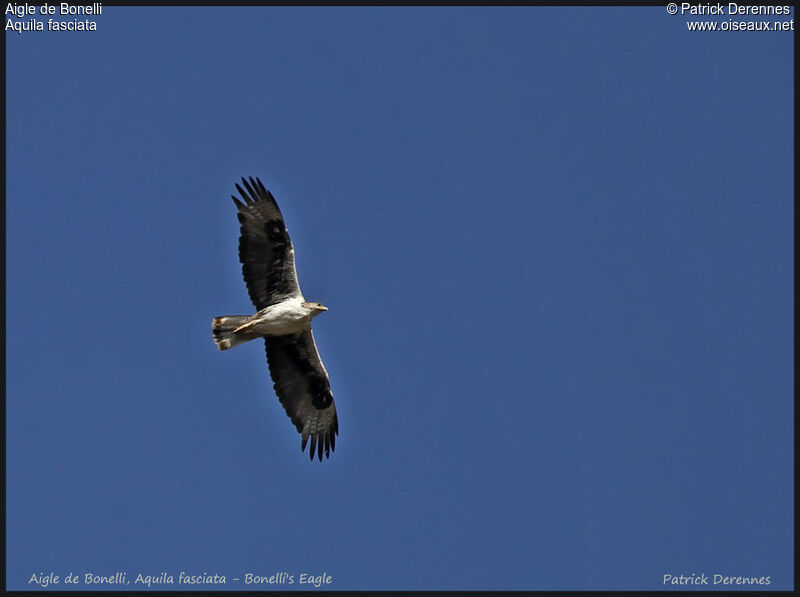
283 319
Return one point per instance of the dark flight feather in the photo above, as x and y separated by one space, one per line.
265 249
302 386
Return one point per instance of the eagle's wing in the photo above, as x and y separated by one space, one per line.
302 386
265 249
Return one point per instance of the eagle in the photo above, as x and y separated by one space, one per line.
283 319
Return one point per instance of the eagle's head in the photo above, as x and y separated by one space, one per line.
315 308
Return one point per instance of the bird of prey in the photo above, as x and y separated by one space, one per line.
283 319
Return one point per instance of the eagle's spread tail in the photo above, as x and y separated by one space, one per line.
224 331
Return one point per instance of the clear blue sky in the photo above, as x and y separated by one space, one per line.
557 249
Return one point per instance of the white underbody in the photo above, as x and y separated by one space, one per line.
287 317
290 316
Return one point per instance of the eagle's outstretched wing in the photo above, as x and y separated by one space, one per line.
302 386
265 249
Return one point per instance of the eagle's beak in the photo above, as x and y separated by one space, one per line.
323 307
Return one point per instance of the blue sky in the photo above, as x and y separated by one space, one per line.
557 249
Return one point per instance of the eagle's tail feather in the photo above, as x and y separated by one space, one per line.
224 331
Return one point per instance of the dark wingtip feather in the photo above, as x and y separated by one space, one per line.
238 203
247 199
319 444
250 190
313 448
